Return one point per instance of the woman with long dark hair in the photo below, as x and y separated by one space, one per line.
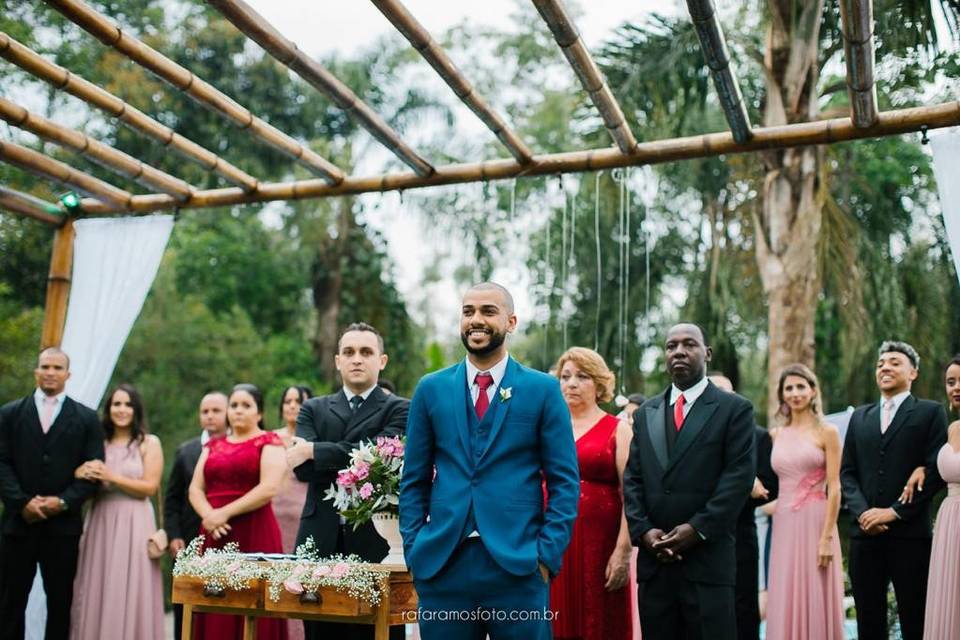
288 503
118 590
235 479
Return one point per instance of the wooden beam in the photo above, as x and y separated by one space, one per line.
433 53
702 146
58 286
41 165
566 34
715 52
203 92
256 27
31 207
138 121
857 19
107 157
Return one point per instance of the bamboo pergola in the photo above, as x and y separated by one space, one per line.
167 192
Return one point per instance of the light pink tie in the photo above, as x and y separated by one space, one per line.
887 416
47 418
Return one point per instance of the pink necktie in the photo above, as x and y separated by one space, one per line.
47 418
885 419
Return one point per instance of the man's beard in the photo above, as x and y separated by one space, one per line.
496 339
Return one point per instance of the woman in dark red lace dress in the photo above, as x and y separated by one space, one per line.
590 594
234 482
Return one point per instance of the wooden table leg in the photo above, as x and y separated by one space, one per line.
381 624
186 632
249 628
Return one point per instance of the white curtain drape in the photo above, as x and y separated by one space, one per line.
946 168
114 263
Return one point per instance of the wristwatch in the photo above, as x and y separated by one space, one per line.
63 504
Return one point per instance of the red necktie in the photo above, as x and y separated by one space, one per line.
483 380
678 412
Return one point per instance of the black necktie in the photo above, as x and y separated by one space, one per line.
355 403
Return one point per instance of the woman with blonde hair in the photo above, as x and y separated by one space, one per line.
589 595
805 589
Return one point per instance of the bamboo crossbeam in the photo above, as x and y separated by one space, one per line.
29 206
436 57
715 52
256 27
40 165
203 92
566 34
857 19
57 76
702 146
107 157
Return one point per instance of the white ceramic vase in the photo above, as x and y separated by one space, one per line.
388 526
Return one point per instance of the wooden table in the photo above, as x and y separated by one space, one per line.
398 604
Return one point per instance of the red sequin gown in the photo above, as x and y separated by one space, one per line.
585 609
231 470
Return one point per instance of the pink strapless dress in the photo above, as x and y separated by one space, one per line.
942 617
804 601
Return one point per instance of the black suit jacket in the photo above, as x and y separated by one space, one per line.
705 482
875 467
34 463
764 447
179 518
335 430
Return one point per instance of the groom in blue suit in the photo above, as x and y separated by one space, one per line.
483 438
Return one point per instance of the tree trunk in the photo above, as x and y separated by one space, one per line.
327 285
788 228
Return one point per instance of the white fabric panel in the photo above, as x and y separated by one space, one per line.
114 263
946 168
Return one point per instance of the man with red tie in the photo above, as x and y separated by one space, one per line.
690 471
44 437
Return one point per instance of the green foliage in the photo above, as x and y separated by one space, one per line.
20 337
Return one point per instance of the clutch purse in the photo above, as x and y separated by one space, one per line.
157 544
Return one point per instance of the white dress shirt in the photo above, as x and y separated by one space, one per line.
38 399
363 396
689 395
897 401
496 372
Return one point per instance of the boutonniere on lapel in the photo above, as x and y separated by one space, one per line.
505 394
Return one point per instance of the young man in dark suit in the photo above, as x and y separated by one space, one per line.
689 474
44 437
328 429
180 521
889 540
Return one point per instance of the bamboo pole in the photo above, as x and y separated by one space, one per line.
107 157
138 121
423 42
31 207
256 27
203 92
857 19
702 146
714 47
41 165
58 286
566 34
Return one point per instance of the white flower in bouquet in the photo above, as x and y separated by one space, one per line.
372 481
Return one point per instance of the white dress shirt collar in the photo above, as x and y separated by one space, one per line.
363 396
690 395
897 401
497 371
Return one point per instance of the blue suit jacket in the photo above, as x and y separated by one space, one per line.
531 440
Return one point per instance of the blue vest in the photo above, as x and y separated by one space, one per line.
479 435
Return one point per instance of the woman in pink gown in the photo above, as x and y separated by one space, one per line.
288 503
233 484
118 589
942 617
590 595
805 587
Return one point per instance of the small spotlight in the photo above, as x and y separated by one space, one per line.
71 201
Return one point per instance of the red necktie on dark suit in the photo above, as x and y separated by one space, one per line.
678 412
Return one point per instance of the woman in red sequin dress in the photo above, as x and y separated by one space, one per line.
590 595
234 482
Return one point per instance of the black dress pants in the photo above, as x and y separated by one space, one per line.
874 563
673 608
19 557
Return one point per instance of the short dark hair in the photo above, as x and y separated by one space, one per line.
387 385
703 332
495 286
896 346
361 326
57 351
